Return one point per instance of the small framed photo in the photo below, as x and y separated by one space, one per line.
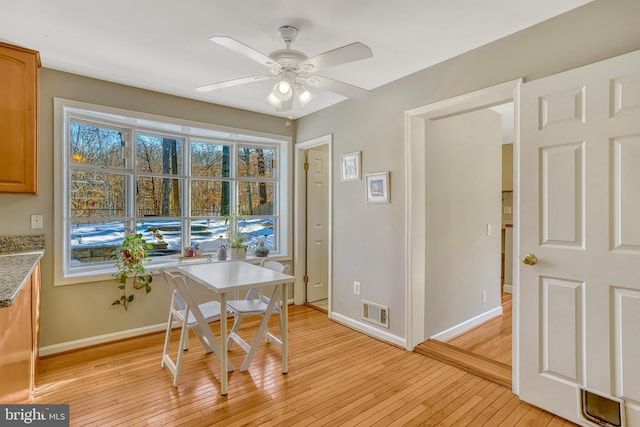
350 163
377 187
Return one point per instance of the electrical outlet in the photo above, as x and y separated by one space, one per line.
484 296
356 288
36 221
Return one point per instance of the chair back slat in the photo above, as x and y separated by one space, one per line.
271 265
177 301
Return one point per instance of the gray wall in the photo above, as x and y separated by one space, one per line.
369 240
81 311
463 195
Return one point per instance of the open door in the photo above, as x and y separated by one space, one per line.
579 214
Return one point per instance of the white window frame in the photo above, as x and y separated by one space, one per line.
132 122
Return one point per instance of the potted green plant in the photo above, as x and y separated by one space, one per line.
129 258
237 239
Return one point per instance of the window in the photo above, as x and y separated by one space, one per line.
174 182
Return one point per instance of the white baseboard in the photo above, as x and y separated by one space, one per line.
507 288
467 325
100 339
369 330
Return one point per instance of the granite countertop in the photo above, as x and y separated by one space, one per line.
18 257
14 271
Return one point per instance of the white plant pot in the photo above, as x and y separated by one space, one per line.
238 253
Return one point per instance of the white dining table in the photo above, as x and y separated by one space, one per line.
237 276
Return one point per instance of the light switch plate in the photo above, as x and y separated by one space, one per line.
36 222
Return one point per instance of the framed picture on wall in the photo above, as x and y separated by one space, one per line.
377 187
350 163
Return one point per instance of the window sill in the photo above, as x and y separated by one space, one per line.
103 275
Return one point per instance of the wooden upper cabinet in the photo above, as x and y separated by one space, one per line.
18 119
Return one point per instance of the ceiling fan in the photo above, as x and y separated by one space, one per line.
293 69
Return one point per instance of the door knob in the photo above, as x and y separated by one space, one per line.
529 259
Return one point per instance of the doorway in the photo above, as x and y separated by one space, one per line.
313 223
419 310
467 229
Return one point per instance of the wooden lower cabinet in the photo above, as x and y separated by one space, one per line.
19 325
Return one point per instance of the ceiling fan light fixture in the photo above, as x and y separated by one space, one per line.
303 95
273 100
283 87
282 92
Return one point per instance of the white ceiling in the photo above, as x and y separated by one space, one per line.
163 45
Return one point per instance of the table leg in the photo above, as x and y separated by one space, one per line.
224 371
284 326
262 329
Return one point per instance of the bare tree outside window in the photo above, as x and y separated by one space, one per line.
173 206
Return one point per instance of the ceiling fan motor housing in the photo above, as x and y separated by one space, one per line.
288 59
288 34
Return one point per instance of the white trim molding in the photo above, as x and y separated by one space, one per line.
467 325
415 209
100 339
369 330
300 217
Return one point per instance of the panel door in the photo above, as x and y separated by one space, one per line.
579 215
317 225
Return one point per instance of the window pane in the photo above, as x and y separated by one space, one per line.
158 155
256 162
163 235
92 145
209 198
97 194
210 160
256 198
158 196
257 228
208 234
92 242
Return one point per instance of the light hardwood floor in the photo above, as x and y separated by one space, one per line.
492 339
337 377
484 351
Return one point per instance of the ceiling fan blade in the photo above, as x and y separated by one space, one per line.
234 82
249 52
340 88
342 55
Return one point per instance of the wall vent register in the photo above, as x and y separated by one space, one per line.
375 313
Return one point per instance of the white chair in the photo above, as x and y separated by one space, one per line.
191 315
252 306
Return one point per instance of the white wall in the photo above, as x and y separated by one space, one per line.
463 195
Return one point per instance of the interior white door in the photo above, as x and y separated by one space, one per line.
317 225
579 215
